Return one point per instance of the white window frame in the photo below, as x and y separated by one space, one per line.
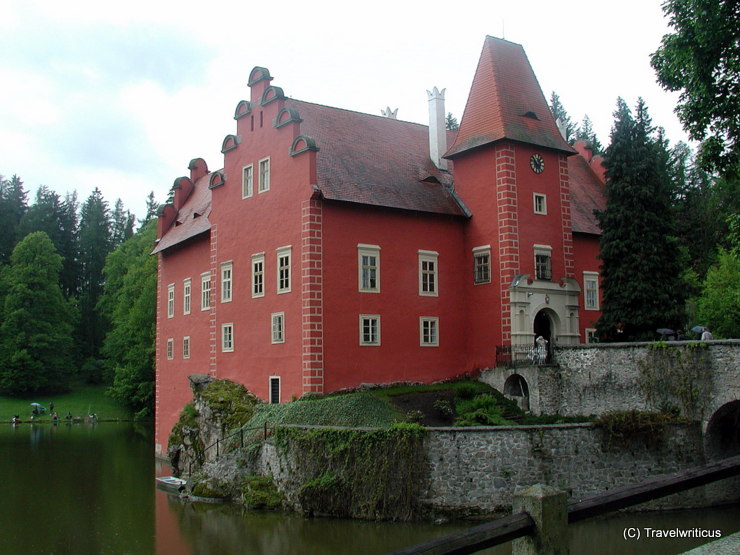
370 318
171 300
364 271
248 181
593 278
186 347
428 279
263 167
227 338
205 291
271 380
591 335
258 275
284 271
478 252
187 289
277 328
543 250
170 348
429 331
539 207
227 281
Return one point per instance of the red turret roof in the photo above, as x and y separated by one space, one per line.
506 102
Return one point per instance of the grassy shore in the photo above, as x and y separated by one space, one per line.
80 402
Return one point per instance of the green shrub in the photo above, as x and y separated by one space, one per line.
260 492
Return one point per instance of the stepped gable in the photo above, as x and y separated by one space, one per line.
587 193
192 218
375 160
506 102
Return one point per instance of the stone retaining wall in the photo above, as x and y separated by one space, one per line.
478 470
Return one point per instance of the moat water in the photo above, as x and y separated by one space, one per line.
89 489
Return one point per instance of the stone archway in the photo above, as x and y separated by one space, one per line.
544 325
722 437
517 389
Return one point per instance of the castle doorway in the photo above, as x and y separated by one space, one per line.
543 327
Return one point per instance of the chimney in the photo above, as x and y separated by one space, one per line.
437 130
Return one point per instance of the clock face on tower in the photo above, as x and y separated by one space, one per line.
537 163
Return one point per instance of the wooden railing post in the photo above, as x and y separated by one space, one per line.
548 507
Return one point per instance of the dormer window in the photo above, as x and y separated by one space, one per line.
531 115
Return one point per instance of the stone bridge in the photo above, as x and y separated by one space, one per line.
598 378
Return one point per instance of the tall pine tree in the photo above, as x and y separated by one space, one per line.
12 207
37 327
95 245
562 118
641 267
585 132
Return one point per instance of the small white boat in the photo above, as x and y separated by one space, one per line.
171 484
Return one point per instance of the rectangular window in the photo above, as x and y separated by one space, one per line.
540 203
247 181
227 338
591 336
226 278
591 290
368 268
429 332
274 389
283 269
543 262
170 349
258 275
428 273
186 290
482 265
369 329
171 300
186 347
205 291
264 177
278 327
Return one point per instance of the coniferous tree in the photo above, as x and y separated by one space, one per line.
12 207
641 267
129 302
37 327
451 122
152 206
562 118
585 132
58 219
94 247
122 224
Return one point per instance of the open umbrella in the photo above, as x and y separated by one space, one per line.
665 331
697 329
36 405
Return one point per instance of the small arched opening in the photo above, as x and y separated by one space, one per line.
516 389
722 438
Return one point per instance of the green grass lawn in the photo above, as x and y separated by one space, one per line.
81 401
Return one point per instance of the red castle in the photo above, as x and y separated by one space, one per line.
337 248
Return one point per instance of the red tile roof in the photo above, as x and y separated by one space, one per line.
587 193
192 218
375 160
506 102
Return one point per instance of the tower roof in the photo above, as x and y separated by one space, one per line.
506 102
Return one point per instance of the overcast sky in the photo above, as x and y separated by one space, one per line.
123 95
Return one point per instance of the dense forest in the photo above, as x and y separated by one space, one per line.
73 278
